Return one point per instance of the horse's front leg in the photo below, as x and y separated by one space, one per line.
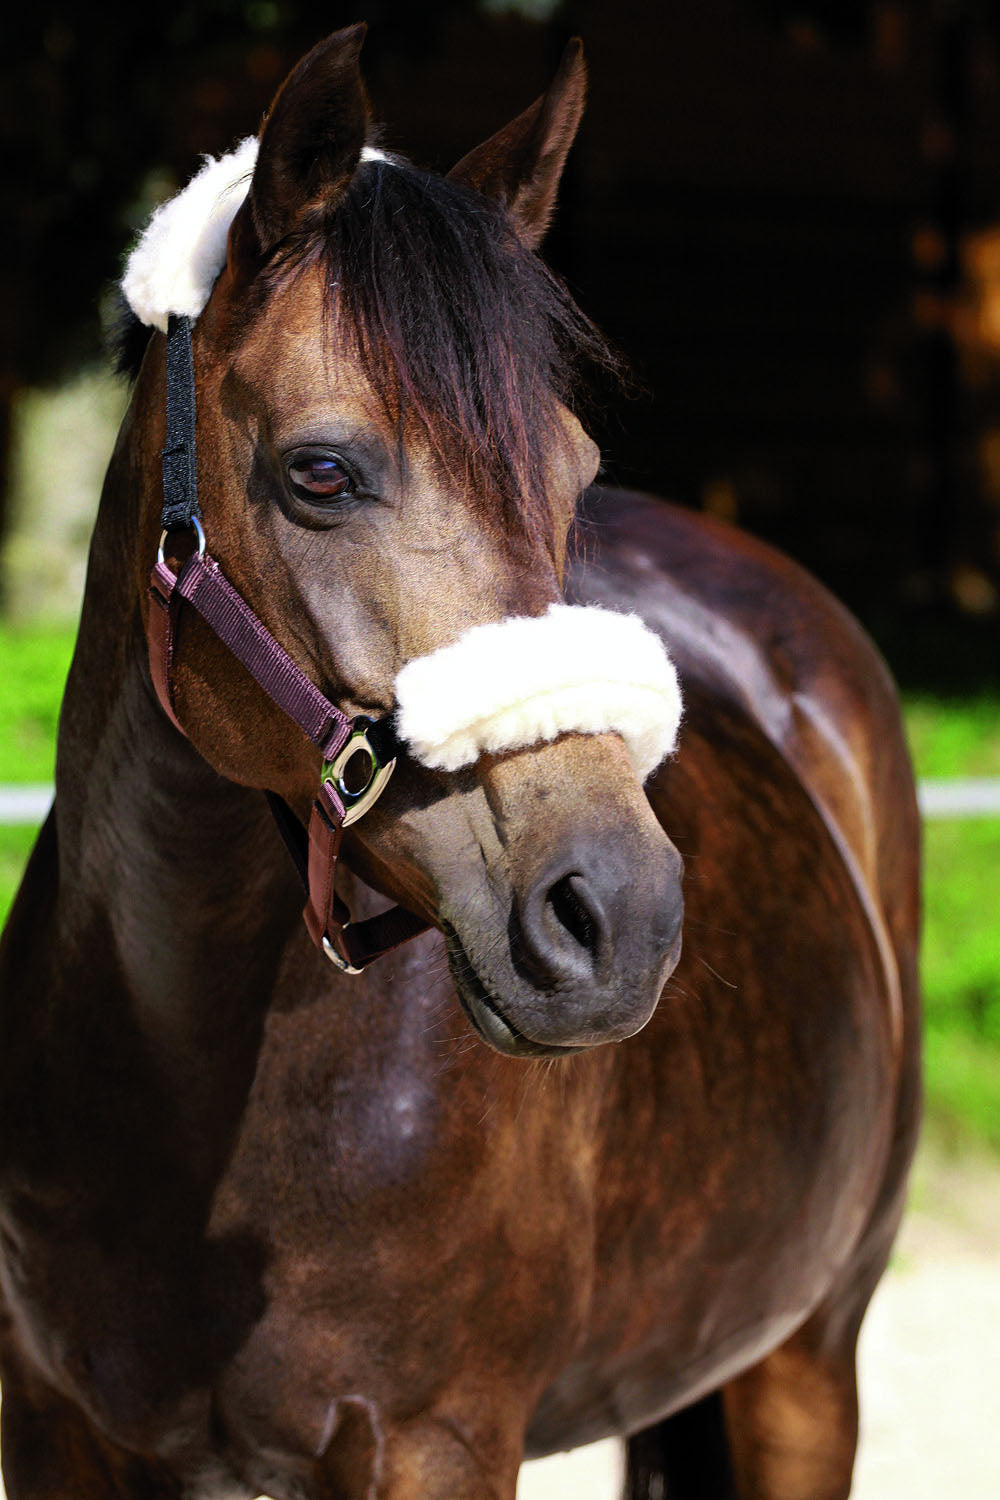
786 1429
442 1460
426 1459
51 1452
361 1454
792 1422
792 1419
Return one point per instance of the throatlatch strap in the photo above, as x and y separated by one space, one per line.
355 943
315 852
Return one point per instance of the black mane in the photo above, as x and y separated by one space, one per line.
124 336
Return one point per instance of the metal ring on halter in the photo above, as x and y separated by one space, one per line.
357 803
336 959
199 532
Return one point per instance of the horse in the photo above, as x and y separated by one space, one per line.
282 1216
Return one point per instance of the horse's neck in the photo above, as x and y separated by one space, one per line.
178 871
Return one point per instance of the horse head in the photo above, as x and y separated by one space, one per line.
389 466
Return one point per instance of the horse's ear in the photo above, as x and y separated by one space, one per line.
522 164
311 139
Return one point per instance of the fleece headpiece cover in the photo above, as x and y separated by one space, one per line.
500 686
177 259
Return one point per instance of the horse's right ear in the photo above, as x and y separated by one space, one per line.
310 142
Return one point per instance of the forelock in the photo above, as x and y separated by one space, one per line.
458 327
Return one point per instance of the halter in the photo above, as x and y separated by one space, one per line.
499 687
200 582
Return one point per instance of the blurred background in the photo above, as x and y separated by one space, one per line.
786 213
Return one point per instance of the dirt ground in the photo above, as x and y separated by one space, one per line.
930 1357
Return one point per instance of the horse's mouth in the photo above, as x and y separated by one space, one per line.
487 1019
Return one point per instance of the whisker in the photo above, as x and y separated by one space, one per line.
706 965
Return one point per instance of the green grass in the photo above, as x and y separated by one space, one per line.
15 846
960 961
962 1084
961 977
961 955
954 738
33 667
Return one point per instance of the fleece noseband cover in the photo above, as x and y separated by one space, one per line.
500 686
519 682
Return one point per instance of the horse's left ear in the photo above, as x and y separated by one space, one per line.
312 138
522 164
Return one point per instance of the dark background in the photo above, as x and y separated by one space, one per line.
782 213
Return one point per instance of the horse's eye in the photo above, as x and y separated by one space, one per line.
318 476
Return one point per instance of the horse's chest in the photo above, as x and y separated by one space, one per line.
421 1241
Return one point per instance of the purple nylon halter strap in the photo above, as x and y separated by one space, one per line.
201 582
353 944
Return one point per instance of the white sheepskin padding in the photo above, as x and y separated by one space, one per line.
521 681
183 247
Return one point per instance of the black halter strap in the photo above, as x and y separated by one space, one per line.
180 470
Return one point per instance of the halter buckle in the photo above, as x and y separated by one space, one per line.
357 801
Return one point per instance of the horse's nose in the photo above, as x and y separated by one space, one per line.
589 887
566 930
597 940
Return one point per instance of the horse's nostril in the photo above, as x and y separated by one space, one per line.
568 899
566 932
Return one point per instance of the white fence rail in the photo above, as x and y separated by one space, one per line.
24 804
977 797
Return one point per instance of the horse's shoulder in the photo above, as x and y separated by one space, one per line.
720 596
754 634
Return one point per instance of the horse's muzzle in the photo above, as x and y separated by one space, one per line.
590 946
